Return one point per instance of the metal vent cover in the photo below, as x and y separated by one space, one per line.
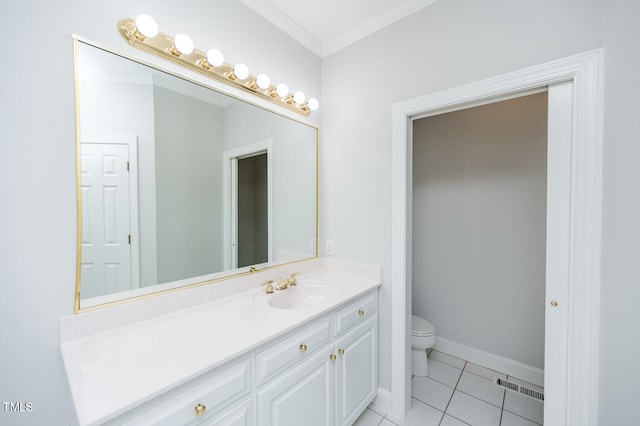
520 389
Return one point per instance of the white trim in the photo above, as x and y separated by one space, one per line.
230 185
134 228
402 10
582 367
382 402
324 48
521 371
274 15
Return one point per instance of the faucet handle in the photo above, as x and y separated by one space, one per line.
269 285
292 280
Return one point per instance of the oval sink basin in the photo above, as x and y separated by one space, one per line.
300 296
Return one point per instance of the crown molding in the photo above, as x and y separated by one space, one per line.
377 23
274 15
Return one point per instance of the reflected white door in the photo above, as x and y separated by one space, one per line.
106 247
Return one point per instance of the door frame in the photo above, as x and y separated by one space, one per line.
230 191
584 167
134 227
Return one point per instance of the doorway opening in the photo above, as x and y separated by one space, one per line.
253 236
248 205
573 228
478 243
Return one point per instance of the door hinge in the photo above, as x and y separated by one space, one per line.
127 166
129 238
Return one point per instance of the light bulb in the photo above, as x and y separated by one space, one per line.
263 81
146 25
215 57
282 90
299 98
183 44
313 104
241 71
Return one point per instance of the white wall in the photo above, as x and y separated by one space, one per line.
38 170
620 316
447 44
479 226
189 145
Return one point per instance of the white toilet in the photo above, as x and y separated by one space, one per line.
423 337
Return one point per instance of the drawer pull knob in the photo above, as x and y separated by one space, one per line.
361 312
200 409
303 348
332 357
341 351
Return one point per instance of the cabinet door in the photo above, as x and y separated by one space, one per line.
356 371
303 396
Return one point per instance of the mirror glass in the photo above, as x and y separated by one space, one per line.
180 184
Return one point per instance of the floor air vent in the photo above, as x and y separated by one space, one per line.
518 388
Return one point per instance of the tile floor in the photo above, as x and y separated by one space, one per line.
456 393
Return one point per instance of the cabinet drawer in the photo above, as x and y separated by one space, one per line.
355 313
292 349
214 392
241 414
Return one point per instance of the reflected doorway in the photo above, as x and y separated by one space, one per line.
253 235
248 210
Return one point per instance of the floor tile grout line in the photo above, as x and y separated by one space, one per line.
481 400
522 417
426 403
454 391
504 396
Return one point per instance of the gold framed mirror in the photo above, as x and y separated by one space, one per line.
181 185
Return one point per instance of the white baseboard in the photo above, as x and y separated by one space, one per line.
382 402
510 367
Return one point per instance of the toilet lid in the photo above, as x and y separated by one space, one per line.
421 327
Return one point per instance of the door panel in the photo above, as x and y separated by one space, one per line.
560 131
106 252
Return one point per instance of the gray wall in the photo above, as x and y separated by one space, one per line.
449 43
189 144
38 164
479 223
620 316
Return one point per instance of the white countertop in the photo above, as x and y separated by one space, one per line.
112 371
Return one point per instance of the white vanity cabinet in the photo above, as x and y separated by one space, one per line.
208 399
356 347
302 396
334 385
259 365
356 371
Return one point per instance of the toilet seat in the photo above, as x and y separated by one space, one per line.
420 327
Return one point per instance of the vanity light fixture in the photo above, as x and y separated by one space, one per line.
146 26
182 45
263 81
241 71
299 98
142 33
282 90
